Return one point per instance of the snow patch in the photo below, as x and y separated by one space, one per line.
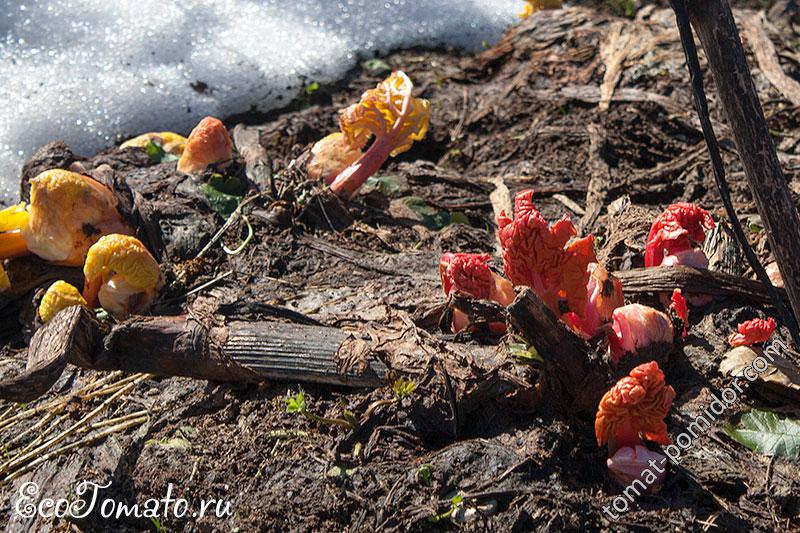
94 72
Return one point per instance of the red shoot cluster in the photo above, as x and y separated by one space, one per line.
470 274
604 296
753 331
634 409
536 255
637 326
677 235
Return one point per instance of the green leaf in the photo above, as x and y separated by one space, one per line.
766 433
157 154
457 217
222 203
431 218
228 184
296 403
312 87
523 350
376 66
391 186
754 224
424 473
403 387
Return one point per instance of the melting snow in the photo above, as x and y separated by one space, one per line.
93 72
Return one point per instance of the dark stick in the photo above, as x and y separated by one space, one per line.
717 30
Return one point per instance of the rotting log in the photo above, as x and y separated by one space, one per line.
715 26
575 376
180 346
714 283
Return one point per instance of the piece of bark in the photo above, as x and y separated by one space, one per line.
614 51
767 57
181 346
501 201
667 278
29 273
599 178
257 164
713 21
575 376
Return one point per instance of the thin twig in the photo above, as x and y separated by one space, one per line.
67 432
701 105
77 444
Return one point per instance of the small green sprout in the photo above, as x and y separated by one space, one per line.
298 404
425 473
455 503
312 87
158 155
159 527
403 388
522 350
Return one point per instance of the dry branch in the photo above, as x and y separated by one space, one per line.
664 279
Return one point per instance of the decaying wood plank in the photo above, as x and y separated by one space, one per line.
257 163
182 346
665 279
28 273
591 94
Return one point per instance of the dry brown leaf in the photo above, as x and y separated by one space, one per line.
781 378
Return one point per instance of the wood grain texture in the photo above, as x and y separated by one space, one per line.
665 279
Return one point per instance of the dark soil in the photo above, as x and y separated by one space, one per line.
525 111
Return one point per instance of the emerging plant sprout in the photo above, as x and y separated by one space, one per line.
470 274
121 274
68 213
752 332
392 117
536 255
680 310
59 296
604 296
676 237
330 156
170 142
532 6
208 144
636 327
630 413
632 462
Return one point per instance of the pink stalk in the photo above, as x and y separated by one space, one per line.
353 177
